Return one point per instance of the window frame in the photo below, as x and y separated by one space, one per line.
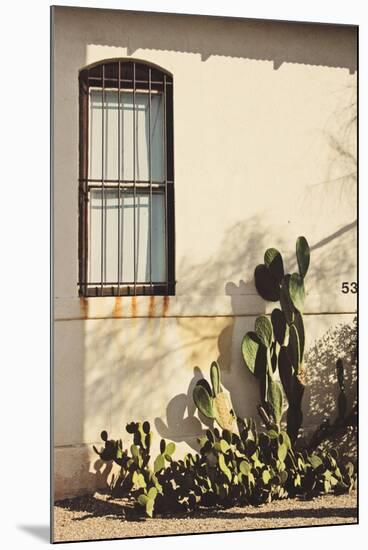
87 80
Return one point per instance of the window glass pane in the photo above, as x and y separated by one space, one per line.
110 121
109 236
94 136
158 238
103 209
157 141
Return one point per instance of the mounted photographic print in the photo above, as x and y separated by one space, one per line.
204 184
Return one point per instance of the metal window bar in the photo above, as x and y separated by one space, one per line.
85 140
129 80
165 178
86 185
150 176
124 182
130 89
102 175
134 186
119 176
139 187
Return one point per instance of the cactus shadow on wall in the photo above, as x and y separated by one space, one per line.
237 253
100 472
181 424
242 386
320 360
240 250
219 337
322 389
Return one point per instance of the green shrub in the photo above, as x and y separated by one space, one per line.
230 469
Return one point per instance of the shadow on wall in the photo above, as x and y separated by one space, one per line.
236 378
88 476
319 401
339 185
337 194
149 359
322 391
240 245
146 357
320 361
244 244
276 41
322 355
240 250
341 133
181 424
150 366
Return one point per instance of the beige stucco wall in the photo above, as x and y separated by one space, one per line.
264 144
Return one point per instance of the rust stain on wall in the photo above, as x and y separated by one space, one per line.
194 356
134 306
117 310
151 306
165 306
84 307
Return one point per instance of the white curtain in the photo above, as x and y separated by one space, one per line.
110 136
104 206
108 235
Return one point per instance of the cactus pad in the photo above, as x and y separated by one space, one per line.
279 325
296 291
250 347
222 412
215 378
303 255
294 348
203 401
266 285
264 331
273 260
275 399
285 300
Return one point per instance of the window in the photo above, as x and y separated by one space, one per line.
126 180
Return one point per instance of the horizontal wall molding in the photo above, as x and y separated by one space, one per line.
242 305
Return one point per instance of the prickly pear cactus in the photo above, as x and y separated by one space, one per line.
229 470
213 402
274 352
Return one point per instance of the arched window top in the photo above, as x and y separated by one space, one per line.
125 74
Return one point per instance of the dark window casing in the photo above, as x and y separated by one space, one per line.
126 77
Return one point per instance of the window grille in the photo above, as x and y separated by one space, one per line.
126 180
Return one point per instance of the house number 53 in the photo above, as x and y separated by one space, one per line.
349 287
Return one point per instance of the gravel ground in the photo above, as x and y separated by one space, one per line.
96 517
